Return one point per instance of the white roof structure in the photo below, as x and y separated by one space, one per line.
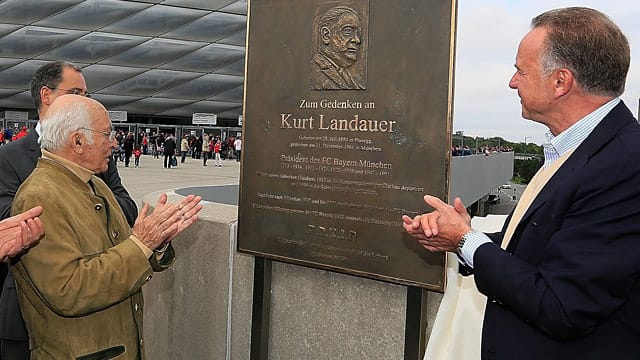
168 58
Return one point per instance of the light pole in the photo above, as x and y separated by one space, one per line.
461 134
525 139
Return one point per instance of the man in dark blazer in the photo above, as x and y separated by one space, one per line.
565 284
169 149
17 161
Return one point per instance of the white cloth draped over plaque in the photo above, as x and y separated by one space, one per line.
457 328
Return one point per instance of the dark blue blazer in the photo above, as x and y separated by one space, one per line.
17 161
568 286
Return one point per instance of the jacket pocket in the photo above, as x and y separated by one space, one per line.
105 354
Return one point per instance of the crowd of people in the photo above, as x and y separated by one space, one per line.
8 134
486 150
199 147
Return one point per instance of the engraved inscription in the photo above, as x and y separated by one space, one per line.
331 232
355 124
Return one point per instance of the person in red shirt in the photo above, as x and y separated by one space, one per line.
216 152
136 155
22 133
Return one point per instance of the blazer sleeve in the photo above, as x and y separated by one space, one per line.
9 183
113 181
575 259
496 238
8 186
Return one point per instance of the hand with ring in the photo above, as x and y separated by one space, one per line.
166 221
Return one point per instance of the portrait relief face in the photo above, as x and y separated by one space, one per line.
343 39
339 62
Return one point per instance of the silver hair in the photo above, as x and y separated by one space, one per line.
60 122
588 43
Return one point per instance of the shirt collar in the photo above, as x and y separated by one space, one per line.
575 134
81 172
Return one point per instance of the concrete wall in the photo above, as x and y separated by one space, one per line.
201 307
475 176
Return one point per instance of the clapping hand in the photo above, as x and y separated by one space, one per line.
19 232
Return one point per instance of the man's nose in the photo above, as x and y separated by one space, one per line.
513 83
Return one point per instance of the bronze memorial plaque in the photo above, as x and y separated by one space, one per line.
347 124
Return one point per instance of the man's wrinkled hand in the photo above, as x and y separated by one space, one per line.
19 232
166 221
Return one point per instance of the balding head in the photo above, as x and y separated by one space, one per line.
68 114
77 128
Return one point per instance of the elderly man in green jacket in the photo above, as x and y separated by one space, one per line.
80 288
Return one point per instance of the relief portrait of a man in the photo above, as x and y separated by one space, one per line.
340 38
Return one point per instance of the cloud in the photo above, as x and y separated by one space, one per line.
488 34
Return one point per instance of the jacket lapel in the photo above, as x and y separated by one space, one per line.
610 125
33 147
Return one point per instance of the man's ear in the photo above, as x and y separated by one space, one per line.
563 82
45 96
76 142
325 35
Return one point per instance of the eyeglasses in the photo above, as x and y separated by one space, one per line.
75 91
110 134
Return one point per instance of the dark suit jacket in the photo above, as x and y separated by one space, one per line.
568 286
17 161
169 146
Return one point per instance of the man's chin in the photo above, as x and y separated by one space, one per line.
103 168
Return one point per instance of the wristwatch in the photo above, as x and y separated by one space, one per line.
463 240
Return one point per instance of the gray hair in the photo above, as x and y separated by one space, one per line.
589 44
60 122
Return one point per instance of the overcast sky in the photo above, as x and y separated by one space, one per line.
488 35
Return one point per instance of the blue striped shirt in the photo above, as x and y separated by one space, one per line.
574 135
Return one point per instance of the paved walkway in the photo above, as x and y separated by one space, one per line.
151 176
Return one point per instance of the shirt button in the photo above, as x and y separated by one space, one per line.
136 307
98 207
115 234
149 277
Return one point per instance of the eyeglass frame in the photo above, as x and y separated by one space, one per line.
111 135
75 91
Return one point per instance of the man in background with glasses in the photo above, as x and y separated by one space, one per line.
16 164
